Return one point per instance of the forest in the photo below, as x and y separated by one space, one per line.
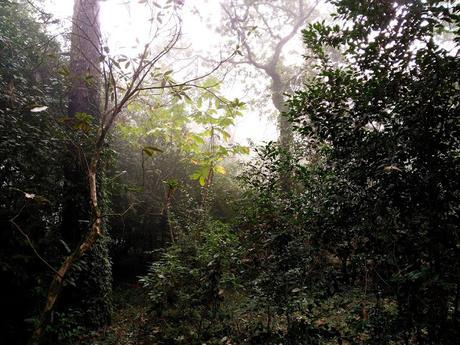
234 172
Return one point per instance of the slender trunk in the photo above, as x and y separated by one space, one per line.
269 318
278 89
58 280
285 138
165 213
83 98
205 201
457 305
206 187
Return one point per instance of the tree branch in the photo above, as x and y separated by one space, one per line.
29 242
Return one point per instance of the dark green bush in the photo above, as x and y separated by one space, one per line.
189 284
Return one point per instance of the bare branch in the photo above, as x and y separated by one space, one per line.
29 241
298 23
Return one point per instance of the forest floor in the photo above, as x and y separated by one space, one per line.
130 324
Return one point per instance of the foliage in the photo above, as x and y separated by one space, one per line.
188 285
130 322
284 272
166 143
29 184
389 119
33 135
28 57
195 125
361 247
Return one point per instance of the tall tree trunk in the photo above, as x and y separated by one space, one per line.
85 56
84 97
296 14
79 214
278 89
286 136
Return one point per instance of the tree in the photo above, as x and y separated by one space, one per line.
85 56
389 120
84 103
30 190
119 89
187 139
263 28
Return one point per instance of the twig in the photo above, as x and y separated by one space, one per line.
29 241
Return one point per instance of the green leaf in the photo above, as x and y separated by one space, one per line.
172 183
64 71
197 139
220 170
196 175
241 149
151 150
225 134
225 122
211 82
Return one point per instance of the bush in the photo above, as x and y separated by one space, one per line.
188 286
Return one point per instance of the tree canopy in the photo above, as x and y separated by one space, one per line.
131 214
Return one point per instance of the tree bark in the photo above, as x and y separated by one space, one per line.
278 89
91 237
285 136
238 13
85 60
84 97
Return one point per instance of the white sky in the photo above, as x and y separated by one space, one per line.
123 22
